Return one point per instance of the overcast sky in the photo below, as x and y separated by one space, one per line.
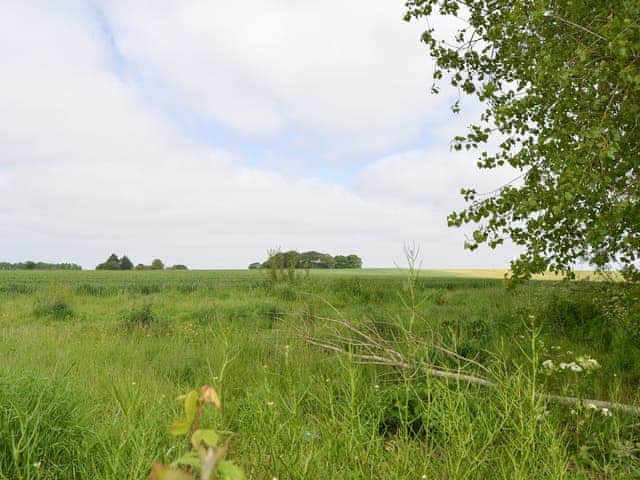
205 132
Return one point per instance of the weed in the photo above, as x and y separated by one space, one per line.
141 316
56 308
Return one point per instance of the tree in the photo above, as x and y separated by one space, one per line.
157 264
560 84
341 261
354 261
125 263
112 263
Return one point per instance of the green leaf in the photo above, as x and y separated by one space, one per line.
189 458
191 405
208 437
229 471
163 472
179 427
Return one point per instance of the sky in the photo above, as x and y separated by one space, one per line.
206 132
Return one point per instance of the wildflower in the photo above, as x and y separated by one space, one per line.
37 465
573 412
588 363
270 403
376 387
605 411
575 368
592 406
548 364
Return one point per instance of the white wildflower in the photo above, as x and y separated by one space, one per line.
37 465
588 363
575 368
606 412
592 406
548 364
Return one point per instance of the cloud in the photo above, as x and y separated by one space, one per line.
351 76
92 163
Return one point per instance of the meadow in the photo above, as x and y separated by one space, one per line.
91 364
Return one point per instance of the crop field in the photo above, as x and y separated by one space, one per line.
326 375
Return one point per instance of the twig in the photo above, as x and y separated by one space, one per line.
472 379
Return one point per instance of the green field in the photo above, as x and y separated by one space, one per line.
91 364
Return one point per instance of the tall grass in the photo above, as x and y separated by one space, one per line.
87 398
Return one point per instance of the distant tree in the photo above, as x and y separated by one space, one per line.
354 261
125 263
141 266
157 264
290 260
341 261
178 267
29 265
112 263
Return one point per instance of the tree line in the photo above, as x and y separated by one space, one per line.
310 259
30 265
124 263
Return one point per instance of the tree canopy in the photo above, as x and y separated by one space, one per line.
31 265
560 85
124 263
310 259
112 263
157 264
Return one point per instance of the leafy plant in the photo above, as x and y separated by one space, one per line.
560 83
141 316
56 308
205 458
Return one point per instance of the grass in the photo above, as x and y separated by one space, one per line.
91 396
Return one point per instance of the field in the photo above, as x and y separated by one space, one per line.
91 364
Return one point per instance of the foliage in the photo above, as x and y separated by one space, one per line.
30 265
560 82
179 266
112 263
157 264
206 450
56 308
310 259
140 316
40 418
125 263
298 412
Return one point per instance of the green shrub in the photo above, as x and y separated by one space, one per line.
140 317
57 309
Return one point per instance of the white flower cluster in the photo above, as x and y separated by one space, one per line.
583 363
604 410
